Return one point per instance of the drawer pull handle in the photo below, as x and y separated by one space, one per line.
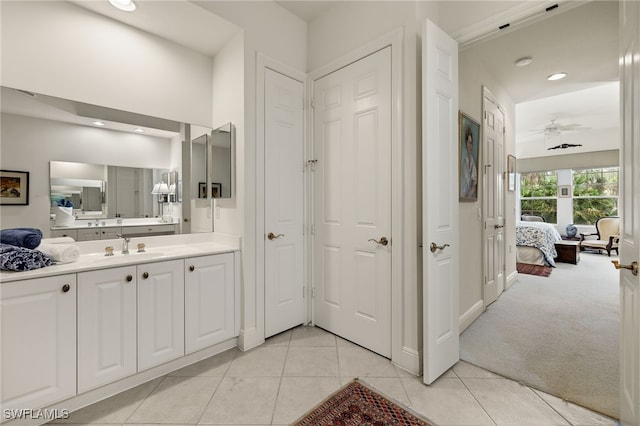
66 288
192 268
145 275
129 278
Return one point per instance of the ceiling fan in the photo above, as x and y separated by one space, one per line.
553 134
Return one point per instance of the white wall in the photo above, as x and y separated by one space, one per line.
472 77
28 144
60 49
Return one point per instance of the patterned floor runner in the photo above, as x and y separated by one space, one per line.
358 404
525 268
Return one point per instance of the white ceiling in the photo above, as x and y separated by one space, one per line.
577 37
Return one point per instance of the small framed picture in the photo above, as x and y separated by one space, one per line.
14 188
511 173
564 191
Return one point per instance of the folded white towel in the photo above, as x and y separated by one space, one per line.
60 253
57 240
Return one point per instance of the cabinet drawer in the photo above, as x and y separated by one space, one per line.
73 233
148 230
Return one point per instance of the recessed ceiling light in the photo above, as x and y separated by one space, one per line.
97 123
126 5
138 130
523 62
557 76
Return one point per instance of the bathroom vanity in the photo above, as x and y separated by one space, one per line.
76 333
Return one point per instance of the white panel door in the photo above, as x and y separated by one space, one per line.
630 230
106 326
38 320
493 199
209 301
284 196
440 201
160 312
352 202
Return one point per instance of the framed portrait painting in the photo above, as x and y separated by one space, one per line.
14 188
469 148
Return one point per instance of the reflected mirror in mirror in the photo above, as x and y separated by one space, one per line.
222 162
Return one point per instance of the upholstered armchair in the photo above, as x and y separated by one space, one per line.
607 235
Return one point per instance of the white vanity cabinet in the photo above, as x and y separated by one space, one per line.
160 312
56 233
209 300
38 341
106 326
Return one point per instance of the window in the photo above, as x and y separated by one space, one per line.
538 195
595 194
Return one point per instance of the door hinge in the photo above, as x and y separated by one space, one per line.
313 102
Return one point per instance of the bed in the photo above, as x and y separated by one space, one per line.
535 243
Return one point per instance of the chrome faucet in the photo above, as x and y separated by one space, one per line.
125 243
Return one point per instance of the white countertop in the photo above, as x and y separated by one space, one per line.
157 249
91 224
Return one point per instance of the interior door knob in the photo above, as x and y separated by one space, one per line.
272 236
383 241
633 267
498 226
433 247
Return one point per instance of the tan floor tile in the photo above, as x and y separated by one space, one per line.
298 395
510 403
312 336
176 400
390 387
446 402
359 362
465 370
281 339
259 362
243 400
312 362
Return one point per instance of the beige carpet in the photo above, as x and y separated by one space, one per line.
557 334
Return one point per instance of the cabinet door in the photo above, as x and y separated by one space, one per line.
73 233
38 341
110 233
160 312
106 326
209 300
88 234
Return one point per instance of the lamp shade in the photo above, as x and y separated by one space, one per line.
156 189
164 188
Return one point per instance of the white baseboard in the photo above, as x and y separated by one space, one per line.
410 361
467 318
249 339
511 279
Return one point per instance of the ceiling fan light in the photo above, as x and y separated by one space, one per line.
126 5
557 76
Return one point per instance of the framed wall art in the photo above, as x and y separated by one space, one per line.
469 147
564 191
14 188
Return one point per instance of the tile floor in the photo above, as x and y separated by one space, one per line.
279 381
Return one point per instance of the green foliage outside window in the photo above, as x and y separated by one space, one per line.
538 192
595 194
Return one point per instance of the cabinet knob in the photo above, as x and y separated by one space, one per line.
129 278
66 288
192 268
145 275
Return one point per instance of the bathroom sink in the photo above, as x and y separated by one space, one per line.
134 256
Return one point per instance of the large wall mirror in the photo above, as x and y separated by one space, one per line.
106 191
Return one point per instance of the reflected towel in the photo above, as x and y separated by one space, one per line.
21 237
14 258
64 216
60 253
57 240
